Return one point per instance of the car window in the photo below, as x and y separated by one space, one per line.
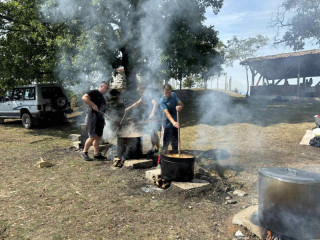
29 94
51 92
18 94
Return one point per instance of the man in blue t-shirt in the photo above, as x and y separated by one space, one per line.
170 104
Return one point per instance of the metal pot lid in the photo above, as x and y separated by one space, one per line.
290 175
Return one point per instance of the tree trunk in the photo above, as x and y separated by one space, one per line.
247 94
131 79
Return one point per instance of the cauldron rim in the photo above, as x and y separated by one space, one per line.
119 136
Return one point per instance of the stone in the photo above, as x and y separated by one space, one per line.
230 202
248 218
227 189
42 164
77 145
139 163
152 174
229 173
75 137
306 138
195 183
238 234
240 193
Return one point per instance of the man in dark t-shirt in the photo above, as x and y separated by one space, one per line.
95 120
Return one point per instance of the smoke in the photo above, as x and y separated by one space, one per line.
98 30
220 119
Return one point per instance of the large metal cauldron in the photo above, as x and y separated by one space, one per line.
177 168
129 146
289 202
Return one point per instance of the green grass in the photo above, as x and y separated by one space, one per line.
75 199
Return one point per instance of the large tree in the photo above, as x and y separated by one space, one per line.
27 43
162 38
298 21
241 49
192 47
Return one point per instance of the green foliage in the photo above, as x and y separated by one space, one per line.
191 48
300 21
188 82
115 38
241 49
28 46
85 41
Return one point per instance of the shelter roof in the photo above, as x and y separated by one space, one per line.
286 65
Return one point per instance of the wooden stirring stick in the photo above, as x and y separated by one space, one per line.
179 144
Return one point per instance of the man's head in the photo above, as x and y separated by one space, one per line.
167 90
104 86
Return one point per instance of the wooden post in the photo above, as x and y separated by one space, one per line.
217 83
226 82
298 80
179 144
259 80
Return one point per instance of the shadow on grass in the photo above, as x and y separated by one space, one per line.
55 129
216 108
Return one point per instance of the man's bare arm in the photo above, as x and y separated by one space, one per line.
86 99
155 104
170 118
134 105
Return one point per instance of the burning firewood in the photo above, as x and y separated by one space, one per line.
161 182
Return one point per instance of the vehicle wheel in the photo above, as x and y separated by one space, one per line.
61 102
1 120
27 121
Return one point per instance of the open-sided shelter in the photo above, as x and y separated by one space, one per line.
270 74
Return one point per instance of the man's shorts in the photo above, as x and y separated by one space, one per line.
94 127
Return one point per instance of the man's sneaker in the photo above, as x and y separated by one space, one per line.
99 157
85 156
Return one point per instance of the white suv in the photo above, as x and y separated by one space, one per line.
35 102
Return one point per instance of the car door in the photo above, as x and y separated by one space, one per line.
17 102
6 106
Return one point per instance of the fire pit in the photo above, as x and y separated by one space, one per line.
175 167
129 146
289 202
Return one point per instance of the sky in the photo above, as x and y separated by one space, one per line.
246 18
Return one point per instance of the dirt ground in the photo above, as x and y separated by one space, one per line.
75 199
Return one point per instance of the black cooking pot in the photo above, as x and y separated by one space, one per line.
177 168
129 147
289 202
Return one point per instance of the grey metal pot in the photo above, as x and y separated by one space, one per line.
289 202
